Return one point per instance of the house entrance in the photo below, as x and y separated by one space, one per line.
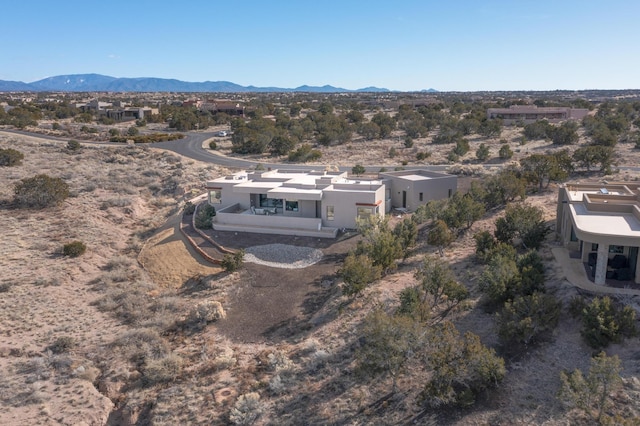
404 199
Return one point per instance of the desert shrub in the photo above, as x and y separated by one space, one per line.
206 312
73 145
246 410
74 249
40 191
392 152
505 152
115 202
423 155
213 145
462 367
161 370
592 394
62 345
604 323
482 153
408 142
153 137
304 153
189 208
527 320
140 344
232 262
118 263
10 157
576 306
205 216
358 270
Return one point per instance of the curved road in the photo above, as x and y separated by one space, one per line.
191 147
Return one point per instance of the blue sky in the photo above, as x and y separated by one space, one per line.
449 45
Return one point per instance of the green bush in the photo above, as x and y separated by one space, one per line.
232 262
150 138
74 249
213 145
10 157
204 217
73 145
505 152
603 322
40 191
189 208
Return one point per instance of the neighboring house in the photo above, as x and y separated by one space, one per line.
601 223
531 113
227 107
131 113
316 203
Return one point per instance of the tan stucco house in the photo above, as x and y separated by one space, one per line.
601 222
317 203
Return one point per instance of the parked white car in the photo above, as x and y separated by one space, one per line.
221 133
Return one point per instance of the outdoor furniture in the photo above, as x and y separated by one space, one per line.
624 274
618 261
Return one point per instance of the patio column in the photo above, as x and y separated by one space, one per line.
601 264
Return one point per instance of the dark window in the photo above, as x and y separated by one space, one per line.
291 206
420 196
270 202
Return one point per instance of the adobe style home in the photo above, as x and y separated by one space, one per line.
600 222
531 113
317 203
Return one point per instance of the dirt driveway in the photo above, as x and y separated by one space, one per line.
270 304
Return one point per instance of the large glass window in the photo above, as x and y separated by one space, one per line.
330 214
215 196
616 249
365 212
270 202
291 206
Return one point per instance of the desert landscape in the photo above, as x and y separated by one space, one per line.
141 329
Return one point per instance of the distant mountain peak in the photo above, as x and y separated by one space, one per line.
104 83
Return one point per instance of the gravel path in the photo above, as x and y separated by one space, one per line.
283 256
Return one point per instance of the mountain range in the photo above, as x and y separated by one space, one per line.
105 83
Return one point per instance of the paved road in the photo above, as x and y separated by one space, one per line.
191 147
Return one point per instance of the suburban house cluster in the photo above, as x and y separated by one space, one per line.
600 223
531 113
317 203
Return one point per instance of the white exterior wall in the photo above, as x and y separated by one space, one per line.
306 208
345 205
229 197
432 189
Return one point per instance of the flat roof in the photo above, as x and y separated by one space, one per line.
415 177
605 223
295 193
248 187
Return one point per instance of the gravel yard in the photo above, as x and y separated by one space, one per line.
283 256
